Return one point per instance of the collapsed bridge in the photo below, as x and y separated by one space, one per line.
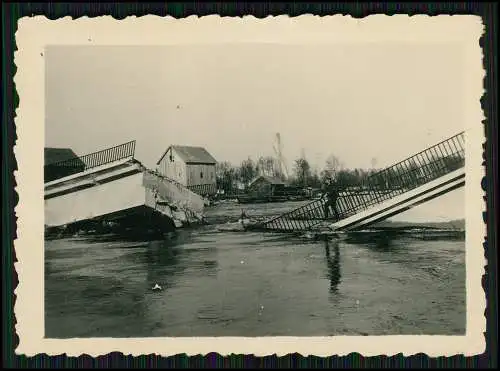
419 178
111 186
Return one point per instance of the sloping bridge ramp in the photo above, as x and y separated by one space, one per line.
424 176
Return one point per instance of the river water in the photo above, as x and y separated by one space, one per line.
229 283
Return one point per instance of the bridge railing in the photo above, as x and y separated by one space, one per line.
75 165
408 174
415 171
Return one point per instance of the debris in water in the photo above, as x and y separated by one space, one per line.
231 227
207 316
156 287
242 262
357 302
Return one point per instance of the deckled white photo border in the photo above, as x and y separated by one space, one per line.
35 33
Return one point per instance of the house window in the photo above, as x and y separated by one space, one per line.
201 175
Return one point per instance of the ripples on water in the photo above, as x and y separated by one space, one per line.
254 284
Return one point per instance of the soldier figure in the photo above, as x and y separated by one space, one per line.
331 194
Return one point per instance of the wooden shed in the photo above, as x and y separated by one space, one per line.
267 185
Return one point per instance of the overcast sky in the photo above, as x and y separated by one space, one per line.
358 102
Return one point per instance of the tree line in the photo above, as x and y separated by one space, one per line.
233 179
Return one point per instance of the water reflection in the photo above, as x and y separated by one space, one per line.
96 289
376 240
167 261
333 262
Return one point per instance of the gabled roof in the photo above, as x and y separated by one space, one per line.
269 179
53 155
191 155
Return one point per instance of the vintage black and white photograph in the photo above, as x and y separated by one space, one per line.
257 189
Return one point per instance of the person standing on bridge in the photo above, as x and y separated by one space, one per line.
331 194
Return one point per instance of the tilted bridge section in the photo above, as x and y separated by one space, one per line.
424 176
111 183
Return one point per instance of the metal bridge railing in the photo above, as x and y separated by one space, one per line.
79 164
414 171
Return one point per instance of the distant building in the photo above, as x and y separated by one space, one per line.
239 185
61 162
192 167
267 185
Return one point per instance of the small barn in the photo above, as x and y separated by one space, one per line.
267 185
61 162
193 167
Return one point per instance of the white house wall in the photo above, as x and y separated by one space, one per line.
175 169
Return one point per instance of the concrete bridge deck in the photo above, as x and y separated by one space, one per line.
114 188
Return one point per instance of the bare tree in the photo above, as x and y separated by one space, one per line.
332 167
302 171
247 170
226 175
260 166
266 166
270 165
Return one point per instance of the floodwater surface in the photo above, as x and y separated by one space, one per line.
253 284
